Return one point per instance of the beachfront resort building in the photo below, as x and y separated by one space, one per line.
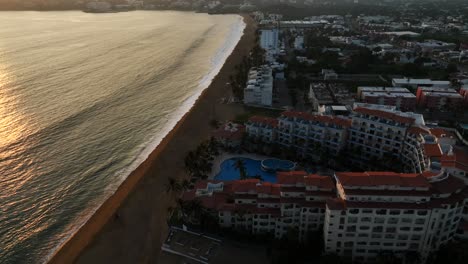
259 87
307 133
372 134
381 133
402 98
263 129
296 201
400 213
230 135
360 213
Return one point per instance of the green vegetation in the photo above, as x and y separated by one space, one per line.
239 78
240 165
252 111
198 163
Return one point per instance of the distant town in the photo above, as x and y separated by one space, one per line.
355 145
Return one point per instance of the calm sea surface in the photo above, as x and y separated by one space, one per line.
84 98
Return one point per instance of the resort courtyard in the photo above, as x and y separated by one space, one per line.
227 167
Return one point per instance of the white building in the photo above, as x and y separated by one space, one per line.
269 41
381 133
262 128
296 201
386 211
373 134
307 133
259 87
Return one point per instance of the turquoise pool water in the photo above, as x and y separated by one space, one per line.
228 172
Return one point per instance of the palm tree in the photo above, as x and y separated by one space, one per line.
173 185
191 210
240 165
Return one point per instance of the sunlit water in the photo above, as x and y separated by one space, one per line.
84 98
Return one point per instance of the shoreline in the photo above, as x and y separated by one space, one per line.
131 224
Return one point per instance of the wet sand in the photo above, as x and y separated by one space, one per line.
131 225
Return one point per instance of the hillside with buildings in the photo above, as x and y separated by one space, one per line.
371 110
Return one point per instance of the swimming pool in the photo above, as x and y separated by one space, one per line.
274 165
228 172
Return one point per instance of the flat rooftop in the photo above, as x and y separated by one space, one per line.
191 246
419 81
388 94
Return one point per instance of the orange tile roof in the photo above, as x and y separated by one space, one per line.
385 115
345 122
432 150
225 132
418 130
290 177
440 132
269 188
458 160
242 186
357 179
264 120
322 182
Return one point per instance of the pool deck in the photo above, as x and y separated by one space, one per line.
226 155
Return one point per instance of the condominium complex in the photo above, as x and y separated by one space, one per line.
262 128
360 214
371 133
402 98
303 132
381 133
297 200
259 87
386 211
436 98
306 132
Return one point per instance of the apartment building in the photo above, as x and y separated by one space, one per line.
371 134
436 98
259 87
386 211
262 128
296 201
382 133
305 133
399 97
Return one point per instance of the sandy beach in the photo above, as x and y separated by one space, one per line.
131 225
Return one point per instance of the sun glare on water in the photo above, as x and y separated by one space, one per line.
11 126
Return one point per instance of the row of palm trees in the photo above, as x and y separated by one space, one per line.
198 163
239 78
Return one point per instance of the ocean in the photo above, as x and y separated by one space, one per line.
84 99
